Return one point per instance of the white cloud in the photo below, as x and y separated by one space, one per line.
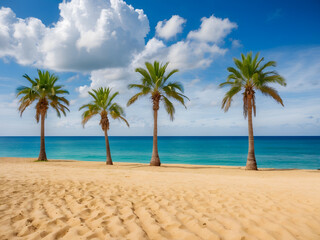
106 34
154 49
89 35
115 78
73 78
188 55
170 28
20 38
212 29
194 81
184 55
203 95
236 43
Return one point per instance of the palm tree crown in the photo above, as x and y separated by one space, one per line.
251 76
102 104
155 82
45 90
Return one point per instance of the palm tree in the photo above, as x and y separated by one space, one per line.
45 91
250 77
103 104
154 83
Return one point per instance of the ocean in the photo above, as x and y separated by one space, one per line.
271 152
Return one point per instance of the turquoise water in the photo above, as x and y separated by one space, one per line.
271 152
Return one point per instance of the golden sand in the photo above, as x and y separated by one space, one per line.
89 200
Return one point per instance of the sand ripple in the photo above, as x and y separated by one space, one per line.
73 201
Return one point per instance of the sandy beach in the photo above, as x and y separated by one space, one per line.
89 200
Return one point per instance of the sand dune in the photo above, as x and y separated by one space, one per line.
88 200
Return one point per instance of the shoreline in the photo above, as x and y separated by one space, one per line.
162 165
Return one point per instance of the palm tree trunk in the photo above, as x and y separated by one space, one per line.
109 160
251 160
155 160
42 154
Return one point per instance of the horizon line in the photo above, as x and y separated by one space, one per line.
170 136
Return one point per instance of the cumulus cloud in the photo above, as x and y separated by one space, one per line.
186 55
170 28
115 78
107 34
20 38
183 55
89 35
95 34
212 29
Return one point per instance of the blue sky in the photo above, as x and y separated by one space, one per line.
75 40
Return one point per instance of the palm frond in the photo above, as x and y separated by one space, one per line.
235 74
125 120
93 94
26 76
275 78
139 86
88 114
111 98
271 92
117 112
169 107
151 70
170 92
175 85
24 103
227 100
170 74
134 98
226 83
268 64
